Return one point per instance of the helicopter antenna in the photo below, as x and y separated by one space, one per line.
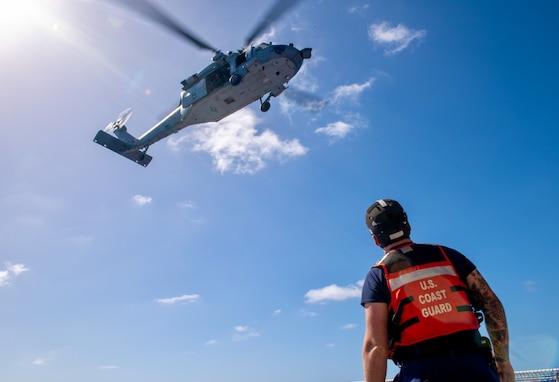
149 10
279 8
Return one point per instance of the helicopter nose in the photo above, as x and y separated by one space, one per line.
306 53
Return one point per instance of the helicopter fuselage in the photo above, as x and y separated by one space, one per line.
212 94
231 82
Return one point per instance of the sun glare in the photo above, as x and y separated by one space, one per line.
18 16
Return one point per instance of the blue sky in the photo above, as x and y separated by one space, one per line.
238 253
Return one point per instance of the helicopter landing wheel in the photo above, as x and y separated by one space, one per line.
235 79
265 106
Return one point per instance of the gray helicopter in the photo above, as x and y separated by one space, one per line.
231 82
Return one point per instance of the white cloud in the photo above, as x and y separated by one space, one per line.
4 277
394 39
348 326
39 362
185 298
352 91
17 269
277 312
11 271
236 146
243 333
108 367
306 78
308 100
141 200
333 293
211 342
336 103
335 130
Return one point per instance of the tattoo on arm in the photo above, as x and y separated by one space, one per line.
495 319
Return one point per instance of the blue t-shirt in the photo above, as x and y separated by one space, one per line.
375 287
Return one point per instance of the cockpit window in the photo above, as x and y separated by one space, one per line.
217 78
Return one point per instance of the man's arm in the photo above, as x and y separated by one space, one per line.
375 343
495 322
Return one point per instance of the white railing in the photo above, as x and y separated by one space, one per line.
544 375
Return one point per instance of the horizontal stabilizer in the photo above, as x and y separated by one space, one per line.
121 148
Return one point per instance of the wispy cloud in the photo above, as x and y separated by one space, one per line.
305 78
236 146
358 9
211 342
530 286
277 312
266 37
352 91
333 293
39 362
42 361
185 298
108 367
336 130
394 39
188 212
348 326
339 103
336 100
141 200
189 204
307 313
10 272
295 98
243 333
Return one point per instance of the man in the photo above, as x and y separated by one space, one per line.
420 303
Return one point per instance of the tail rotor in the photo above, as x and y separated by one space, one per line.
120 121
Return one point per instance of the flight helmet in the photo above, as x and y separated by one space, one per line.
387 220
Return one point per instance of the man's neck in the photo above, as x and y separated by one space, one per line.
392 247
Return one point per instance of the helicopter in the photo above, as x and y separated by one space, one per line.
232 81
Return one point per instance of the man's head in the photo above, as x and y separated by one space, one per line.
387 221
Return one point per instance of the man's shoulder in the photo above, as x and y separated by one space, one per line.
437 247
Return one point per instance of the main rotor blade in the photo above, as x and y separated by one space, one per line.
279 8
149 10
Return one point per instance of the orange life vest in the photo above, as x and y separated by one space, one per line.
427 300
